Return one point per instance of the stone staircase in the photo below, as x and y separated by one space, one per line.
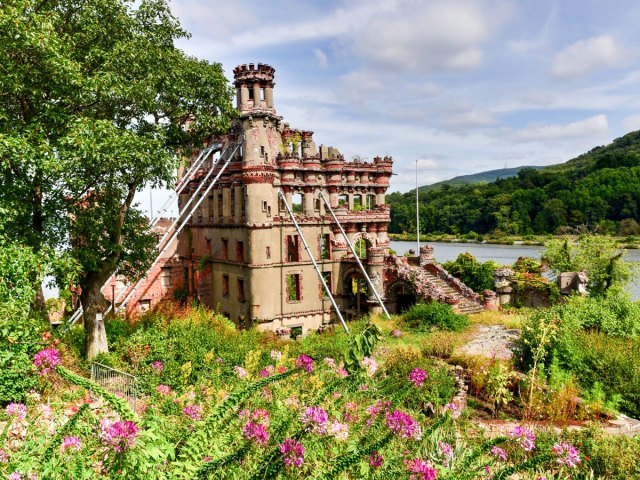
434 283
464 304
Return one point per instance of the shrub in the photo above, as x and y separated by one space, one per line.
476 275
423 316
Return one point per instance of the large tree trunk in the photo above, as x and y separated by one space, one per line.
93 302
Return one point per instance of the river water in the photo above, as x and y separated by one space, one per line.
502 254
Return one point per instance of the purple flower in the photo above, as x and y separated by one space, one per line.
157 366
16 409
376 460
396 333
339 430
315 419
46 359
417 376
371 365
4 456
73 443
119 435
163 389
499 453
568 454
15 476
264 373
292 452
256 433
446 450
260 416
193 411
403 425
276 355
421 470
304 362
525 438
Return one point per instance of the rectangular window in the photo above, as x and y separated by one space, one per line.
144 305
264 205
210 207
225 249
343 201
233 202
293 246
317 205
371 201
327 279
165 277
294 287
357 203
225 286
268 253
262 150
325 246
240 251
220 202
241 297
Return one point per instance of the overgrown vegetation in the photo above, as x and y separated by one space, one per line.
424 316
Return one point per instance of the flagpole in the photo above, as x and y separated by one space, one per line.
417 212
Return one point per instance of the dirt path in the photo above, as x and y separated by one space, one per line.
491 341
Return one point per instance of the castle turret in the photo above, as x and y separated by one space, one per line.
254 86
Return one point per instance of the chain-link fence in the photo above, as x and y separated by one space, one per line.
119 383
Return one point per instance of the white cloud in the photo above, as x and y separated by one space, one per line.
470 118
425 36
321 58
597 124
586 56
632 122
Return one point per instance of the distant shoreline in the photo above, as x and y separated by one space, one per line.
528 240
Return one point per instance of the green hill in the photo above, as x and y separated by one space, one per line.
600 188
482 177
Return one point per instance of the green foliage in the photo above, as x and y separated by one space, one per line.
476 275
424 316
602 185
600 257
361 345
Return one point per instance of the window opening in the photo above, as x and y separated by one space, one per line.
325 246
241 297
225 286
293 248
296 202
166 278
293 284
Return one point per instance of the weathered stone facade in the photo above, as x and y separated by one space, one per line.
241 253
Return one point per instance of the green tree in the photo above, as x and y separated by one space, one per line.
94 101
597 255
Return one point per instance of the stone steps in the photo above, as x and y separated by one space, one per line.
464 306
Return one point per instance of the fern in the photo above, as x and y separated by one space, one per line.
117 403
529 464
464 470
349 460
62 432
211 467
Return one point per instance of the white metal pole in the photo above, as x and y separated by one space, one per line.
313 260
417 211
353 251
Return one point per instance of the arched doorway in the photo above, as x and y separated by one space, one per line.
354 290
400 296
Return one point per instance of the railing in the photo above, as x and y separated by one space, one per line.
114 381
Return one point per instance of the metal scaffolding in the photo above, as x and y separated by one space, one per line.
355 255
313 260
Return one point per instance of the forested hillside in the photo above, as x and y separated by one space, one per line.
598 188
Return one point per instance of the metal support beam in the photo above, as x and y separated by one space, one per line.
179 229
353 251
313 260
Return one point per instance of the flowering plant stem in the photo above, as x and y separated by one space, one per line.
60 434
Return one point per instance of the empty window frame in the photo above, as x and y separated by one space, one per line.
240 251
225 286
343 201
297 202
241 295
294 287
144 305
166 279
357 203
293 248
325 246
225 249
327 279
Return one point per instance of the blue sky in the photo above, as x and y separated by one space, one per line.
461 86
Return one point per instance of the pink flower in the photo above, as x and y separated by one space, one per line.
330 362
499 453
292 452
417 377
451 407
376 460
73 443
163 389
568 454
304 362
16 409
342 372
240 372
363 388
157 366
403 425
421 470
264 373
315 419
446 450
378 407
256 433
396 333
193 411
371 365
260 416
15 476
525 438
4 456
339 430
119 435
282 369
219 361
276 355
45 360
